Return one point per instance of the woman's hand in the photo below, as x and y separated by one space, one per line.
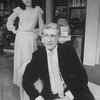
14 31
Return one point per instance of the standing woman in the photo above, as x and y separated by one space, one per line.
25 41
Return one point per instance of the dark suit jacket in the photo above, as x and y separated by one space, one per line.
71 69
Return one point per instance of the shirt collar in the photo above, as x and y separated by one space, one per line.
54 51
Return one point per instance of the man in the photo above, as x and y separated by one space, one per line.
67 82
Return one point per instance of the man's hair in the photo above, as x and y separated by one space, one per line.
52 26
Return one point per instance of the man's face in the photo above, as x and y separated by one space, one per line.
50 38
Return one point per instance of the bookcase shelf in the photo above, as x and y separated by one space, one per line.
74 11
5 11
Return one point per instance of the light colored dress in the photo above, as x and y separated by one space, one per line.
25 41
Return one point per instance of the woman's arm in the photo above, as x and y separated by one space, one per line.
41 22
11 19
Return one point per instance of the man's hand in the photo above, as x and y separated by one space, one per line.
39 98
64 98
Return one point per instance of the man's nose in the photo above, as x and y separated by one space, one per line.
27 0
49 38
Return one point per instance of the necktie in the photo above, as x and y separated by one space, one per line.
59 84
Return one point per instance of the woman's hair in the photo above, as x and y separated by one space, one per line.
52 26
22 5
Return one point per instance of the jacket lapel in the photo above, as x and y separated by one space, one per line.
60 57
45 72
44 64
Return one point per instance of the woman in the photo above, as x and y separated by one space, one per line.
25 41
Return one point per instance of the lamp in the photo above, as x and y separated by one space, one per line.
62 22
65 30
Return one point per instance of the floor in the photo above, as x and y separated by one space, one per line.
93 73
9 91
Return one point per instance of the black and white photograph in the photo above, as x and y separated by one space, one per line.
49 49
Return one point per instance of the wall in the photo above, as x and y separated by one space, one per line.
91 33
98 43
48 11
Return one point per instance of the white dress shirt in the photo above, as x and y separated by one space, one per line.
52 80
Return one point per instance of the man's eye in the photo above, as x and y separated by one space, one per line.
53 35
46 35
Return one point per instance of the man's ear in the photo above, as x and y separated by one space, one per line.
59 38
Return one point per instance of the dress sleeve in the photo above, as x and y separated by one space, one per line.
39 9
40 19
11 19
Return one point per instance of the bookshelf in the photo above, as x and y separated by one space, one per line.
6 36
60 9
74 11
5 11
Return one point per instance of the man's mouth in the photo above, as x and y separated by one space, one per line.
49 44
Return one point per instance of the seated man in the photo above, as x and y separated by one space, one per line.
57 65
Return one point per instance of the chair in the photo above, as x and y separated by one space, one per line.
95 89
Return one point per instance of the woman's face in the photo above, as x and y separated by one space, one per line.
27 2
